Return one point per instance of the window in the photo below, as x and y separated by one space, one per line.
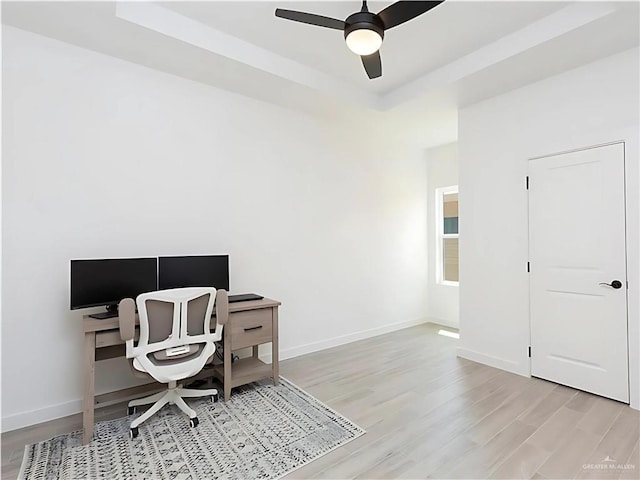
447 232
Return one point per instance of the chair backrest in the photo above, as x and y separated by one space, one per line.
174 318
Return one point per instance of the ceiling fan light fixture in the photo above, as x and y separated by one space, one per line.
363 33
364 41
364 30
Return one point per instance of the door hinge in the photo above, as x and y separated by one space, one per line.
529 352
527 182
528 267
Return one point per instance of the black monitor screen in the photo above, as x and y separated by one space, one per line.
194 271
106 282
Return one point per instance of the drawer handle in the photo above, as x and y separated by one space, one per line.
253 328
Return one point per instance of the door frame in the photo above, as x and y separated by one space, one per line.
628 300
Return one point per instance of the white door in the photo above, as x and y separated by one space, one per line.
576 247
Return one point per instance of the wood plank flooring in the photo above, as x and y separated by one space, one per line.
429 414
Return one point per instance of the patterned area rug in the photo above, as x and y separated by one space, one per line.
264 432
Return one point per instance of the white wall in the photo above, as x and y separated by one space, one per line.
103 158
594 104
442 171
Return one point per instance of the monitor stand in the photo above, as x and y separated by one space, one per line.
112 311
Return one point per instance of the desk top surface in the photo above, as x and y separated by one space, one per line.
95 325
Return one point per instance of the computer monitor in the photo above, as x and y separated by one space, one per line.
194 271
107 281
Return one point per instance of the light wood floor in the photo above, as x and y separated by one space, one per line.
429 414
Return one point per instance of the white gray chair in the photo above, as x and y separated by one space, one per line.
175 343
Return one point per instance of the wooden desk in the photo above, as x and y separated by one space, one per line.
250 324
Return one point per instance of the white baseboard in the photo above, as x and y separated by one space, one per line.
490 360
443 322
24 419
344 339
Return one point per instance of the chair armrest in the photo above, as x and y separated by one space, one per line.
127 317
222 307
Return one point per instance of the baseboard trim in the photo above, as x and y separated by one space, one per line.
492 361
25 419
349 338
33 417
444 323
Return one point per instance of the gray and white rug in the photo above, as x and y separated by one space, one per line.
263 432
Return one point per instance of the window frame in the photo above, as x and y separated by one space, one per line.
440 235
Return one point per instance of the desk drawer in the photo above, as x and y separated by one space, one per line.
252 327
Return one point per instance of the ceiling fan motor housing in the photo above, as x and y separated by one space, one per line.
363 21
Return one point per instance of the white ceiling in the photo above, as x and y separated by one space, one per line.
458 53
419 46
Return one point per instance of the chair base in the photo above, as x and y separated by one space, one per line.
175 394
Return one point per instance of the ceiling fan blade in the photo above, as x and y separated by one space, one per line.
310 18
372 65
403 11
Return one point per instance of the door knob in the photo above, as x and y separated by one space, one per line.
614 284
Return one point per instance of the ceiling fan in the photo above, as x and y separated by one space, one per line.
363 30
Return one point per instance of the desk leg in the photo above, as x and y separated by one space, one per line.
89 386
274 348
227 365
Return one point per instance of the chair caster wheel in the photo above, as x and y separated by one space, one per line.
214 398
131 410
194 422
133 432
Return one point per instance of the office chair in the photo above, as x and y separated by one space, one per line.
175 343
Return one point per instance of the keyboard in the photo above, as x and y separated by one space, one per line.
244 297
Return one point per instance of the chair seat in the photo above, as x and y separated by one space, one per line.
166 371
160 357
